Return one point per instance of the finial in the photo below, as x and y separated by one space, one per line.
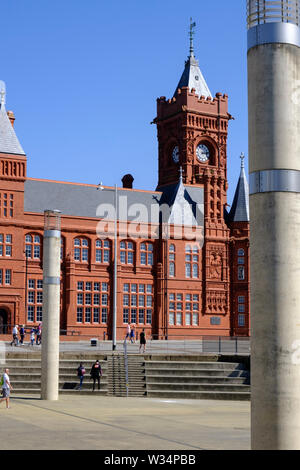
191 34
242 157
181 173
2 94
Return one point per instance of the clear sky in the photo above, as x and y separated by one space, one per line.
82 78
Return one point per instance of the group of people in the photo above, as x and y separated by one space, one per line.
35 335
95 373
130 334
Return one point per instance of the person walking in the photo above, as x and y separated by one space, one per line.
96 373
80 374
6 387
22 334
132 335
127 332
142 340
39 334
15 339
32 337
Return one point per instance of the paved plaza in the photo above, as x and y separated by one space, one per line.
112 423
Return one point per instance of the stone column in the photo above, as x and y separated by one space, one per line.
51 306
274 157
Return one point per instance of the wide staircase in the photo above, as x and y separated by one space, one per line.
117 386
197 379
153 376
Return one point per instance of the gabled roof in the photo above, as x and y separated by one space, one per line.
9 142
240 207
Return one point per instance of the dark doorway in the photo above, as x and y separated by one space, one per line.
3 321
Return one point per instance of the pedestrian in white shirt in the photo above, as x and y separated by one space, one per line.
15 333
6 388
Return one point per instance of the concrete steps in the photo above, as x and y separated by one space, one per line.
197 380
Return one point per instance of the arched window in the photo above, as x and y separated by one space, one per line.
146 252
192 261
126 252
172 260
33 246
81 250
102 251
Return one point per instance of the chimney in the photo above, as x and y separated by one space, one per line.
11 117
127 181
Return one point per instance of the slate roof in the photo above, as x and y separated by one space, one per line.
9 142
240 207
192 77
88 201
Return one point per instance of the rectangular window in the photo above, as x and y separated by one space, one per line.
142 288
39 283
8 277
141 315
8 250
126 300
133 315
141 301
241 320
96 299
125 315
171 318
85 254
241 273
130 257
143 258
188 319
241 308
188 273
76 254
79 298
88 286
241 260
39 313
149 316
79 314
39 297
126 288
134 300
30 313
36 252
149 289
195 319
31 284
149 300
106 256
97 286
88 299
134 288
178 318
123 257
31 296
80 285
88 315
241 299
104 287
104 315
104 299
96 315
98 256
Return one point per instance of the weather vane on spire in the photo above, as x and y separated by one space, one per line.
191 34
242 157
2 93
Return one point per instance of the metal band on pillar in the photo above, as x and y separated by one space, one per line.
52 233
275 181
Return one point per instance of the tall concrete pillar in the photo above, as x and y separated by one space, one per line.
274 158
51 306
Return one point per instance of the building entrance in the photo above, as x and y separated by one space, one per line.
3 321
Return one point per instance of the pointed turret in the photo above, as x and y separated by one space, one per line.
192 76
9 142
240 207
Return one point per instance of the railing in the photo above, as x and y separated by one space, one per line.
272 11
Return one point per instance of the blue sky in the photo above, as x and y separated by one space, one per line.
83 76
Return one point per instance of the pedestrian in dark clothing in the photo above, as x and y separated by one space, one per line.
80 374
142 340
22 334
96 373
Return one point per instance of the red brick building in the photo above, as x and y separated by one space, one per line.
182 258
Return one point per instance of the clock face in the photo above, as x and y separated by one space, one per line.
202 153
175 154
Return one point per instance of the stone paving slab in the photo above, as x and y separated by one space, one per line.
112 423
